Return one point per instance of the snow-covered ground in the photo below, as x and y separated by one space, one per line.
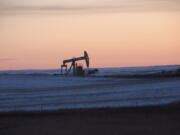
39 91
102 71
137 70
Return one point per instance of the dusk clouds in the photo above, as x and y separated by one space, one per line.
124 5
6 59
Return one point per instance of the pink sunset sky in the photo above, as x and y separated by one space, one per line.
39 34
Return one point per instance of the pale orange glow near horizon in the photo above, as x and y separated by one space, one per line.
122 39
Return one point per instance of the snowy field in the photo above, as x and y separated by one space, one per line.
35 90
137 70
102 71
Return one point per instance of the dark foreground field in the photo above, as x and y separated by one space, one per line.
160 120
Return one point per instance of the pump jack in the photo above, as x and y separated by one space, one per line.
77 69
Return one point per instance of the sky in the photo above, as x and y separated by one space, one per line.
39 34
86 4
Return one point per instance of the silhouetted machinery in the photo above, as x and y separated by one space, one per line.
77 68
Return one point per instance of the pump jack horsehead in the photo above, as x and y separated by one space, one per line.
77 69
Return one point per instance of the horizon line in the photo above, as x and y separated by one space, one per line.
90 68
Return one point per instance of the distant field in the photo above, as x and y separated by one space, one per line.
41 93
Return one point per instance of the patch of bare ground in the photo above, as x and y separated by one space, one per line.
152 120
